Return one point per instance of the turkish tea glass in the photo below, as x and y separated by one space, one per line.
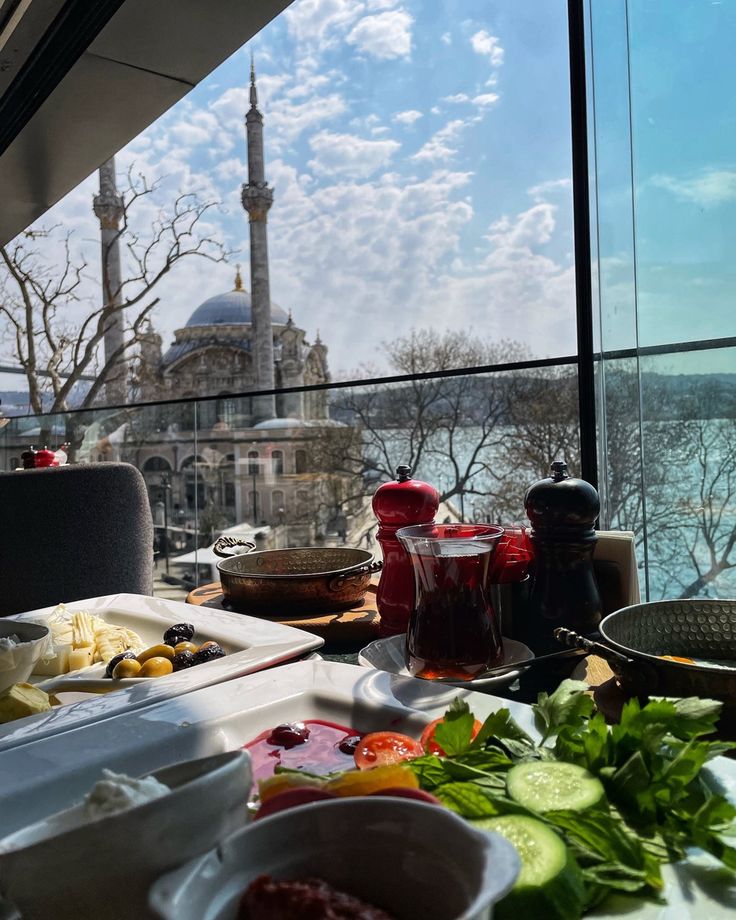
453 631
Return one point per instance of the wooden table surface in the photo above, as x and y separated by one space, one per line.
351 628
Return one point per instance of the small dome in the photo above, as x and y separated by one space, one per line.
281 423
234 307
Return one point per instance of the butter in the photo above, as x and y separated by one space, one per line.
22 700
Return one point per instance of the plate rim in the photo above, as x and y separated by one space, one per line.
275 643
499 680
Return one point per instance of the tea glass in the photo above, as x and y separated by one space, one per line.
453 630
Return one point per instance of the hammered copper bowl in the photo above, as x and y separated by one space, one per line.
301 580
696 628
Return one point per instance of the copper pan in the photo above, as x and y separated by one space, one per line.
305 579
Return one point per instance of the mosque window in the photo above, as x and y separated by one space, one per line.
252 462
300 461
156 465
277 462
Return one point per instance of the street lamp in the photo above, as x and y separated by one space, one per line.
253 464
165 489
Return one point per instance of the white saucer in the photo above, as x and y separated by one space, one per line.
388 655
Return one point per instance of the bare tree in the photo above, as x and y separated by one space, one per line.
37 296
449 429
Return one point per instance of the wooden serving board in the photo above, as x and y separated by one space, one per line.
354 627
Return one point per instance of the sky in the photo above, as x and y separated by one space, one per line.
419 152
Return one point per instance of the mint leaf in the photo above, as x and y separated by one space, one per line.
499 724
453 734
472 800
569 705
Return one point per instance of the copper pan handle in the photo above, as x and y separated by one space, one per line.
224 543
638 676
339 581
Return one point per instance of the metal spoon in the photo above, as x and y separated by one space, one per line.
510 668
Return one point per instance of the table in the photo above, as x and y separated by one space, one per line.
347 632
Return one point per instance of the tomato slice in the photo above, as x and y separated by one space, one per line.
430 745
379 749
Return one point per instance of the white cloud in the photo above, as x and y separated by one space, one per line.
550 187
407 118
488 45
384 36
712 186
457 98
348 155
441 145
446 38
321 23
485 99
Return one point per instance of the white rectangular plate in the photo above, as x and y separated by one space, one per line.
40 778
251 645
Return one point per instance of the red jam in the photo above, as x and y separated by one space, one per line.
313 746
302 899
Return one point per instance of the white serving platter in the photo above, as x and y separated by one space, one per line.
251 644
42 777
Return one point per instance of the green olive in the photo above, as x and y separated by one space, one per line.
185 647
156 651
128 667
156 667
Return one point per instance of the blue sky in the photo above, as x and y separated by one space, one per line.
419 153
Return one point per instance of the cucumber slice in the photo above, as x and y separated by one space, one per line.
550 884
552 785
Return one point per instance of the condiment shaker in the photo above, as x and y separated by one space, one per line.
563 512
399 503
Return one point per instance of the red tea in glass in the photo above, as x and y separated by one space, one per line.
453 631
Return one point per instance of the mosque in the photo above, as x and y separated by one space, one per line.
240 341
256 456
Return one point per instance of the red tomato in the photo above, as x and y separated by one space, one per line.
430 745
379 749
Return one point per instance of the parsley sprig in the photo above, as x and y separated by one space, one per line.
660 803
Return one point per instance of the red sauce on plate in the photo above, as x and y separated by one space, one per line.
319 753
302 899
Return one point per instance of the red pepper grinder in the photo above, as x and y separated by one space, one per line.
400 503
44 458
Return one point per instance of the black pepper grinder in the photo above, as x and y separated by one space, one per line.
563 512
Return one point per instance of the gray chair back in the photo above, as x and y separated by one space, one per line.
73 532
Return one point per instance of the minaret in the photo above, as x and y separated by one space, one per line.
108 207
257 198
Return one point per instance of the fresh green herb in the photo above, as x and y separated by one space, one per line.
658 802
453 734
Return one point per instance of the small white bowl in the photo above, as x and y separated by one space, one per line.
17 661
104 868
410 858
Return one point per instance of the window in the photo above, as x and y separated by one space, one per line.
252 462
300 461
277 462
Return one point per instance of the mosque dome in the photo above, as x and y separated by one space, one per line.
233 307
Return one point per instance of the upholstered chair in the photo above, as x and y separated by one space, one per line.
73 532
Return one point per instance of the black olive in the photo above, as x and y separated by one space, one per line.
208 653
289 734
348 744
179 632
113 661
183 660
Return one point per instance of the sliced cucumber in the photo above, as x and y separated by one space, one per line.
552 785
550 884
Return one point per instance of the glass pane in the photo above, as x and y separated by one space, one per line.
407 167
481 439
